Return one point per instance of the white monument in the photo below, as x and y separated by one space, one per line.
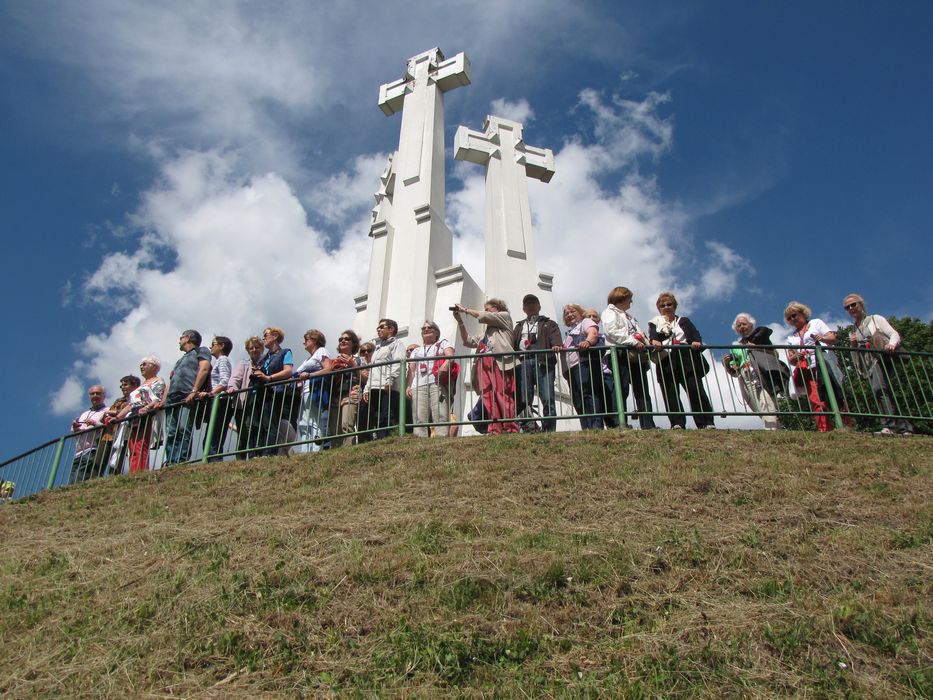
511 272
412 276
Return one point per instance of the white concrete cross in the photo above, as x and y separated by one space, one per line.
410 271
510 262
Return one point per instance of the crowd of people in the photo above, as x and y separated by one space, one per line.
327 401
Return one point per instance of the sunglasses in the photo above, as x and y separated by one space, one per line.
853 305
344 339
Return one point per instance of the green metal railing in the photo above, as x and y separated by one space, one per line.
866 390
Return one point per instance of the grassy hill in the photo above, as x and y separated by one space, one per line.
686 564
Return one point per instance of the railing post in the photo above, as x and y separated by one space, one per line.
617 385
56 461
211 426
402 397
827 382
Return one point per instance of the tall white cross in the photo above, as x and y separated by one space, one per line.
510 261
411 242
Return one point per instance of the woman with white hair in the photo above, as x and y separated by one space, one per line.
146 426
808 333
873 332
754 362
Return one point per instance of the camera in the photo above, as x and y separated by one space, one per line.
452 308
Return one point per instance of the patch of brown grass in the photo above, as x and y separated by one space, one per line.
632 564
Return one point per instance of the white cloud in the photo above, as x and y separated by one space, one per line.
347 194
518 111
245 257
69 397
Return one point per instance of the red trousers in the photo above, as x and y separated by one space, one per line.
139 450
497 389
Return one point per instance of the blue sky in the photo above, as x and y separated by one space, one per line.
212 164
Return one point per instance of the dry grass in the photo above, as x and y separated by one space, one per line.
618 565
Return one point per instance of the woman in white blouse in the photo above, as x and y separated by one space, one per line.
622 330
810 332
315 392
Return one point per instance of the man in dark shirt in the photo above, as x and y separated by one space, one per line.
189 377
536 332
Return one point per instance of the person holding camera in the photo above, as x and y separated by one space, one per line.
493 375
536 371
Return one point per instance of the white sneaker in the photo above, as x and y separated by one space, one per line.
885 431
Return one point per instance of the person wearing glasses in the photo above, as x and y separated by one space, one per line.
680 367
146 428
430 401
345 389
381 393
873 332
810 332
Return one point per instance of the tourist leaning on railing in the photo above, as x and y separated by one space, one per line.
536 372
146 426
88 426
247 410
810 332
114 438
622 330
493 377
680 368
875 333
754 363
275 397
431 401
576 360
601 376
343 407
367 350
381 393
190 376
221 371
315 392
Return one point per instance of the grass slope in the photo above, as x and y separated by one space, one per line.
619 565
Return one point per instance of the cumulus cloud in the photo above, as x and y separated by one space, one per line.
69 396
519 111
594 236
244 257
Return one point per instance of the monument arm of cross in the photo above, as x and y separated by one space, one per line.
445 74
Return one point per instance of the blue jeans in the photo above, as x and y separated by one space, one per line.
538 375
179 422
581 394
